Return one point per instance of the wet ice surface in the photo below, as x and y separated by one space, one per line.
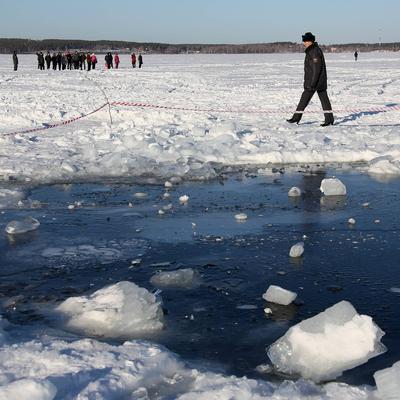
220 323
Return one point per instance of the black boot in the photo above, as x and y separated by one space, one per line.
329 120
295 119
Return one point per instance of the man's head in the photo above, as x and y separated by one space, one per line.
308 39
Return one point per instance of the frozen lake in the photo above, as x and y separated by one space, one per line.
97 188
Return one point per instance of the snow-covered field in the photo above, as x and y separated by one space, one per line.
164 143
39 362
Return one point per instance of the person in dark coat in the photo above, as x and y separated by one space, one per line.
315 80
48 60
109 60
40 58
69 60
54 61
133 59
89 61
59 60
15 61
140 60
356 55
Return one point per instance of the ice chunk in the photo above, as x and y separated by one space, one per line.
122 310
322 347
241 217
388 382
185 278
351 221
278 295
184 199
10 197
168 184
22 226
297 250
294 192
140 195
28 389
333 187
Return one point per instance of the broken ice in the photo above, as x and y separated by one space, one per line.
297 250
278 295
322 347
22 226
333 187
122 310
294 192
388 382
184 278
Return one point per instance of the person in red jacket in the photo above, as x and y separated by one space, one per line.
94 61
116 60
133 58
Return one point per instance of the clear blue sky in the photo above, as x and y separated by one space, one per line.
202 21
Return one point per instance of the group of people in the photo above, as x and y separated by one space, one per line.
76 60
67 60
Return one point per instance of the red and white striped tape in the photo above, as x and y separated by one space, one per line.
57 124
387 108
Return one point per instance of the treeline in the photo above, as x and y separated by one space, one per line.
32 46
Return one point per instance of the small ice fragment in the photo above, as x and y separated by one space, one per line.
294 192
137 261
140 195
395 290
297 250
264 368
388 382
351 221
167 207
377 221
161 212
193 225
241 217
130 205
168 184
366 205
22 226
71 206
322 347
278 295
166 195
185 278
267 310
247 307
333 187
184 199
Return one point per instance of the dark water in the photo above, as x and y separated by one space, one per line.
81 250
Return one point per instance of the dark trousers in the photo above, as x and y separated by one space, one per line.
323 97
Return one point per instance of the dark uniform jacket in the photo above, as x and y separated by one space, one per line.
315 77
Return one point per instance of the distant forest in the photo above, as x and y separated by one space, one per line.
32 46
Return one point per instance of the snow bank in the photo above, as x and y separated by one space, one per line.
333 187
184 278
278 295
388 382
10 197
322 347
121 310
28 389
25 225
384 166
170 143
88 369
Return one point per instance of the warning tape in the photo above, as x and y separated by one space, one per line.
386 108
57 124
249 111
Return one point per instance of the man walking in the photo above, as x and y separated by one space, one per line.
315 80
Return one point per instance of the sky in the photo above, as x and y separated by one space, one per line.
202 21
